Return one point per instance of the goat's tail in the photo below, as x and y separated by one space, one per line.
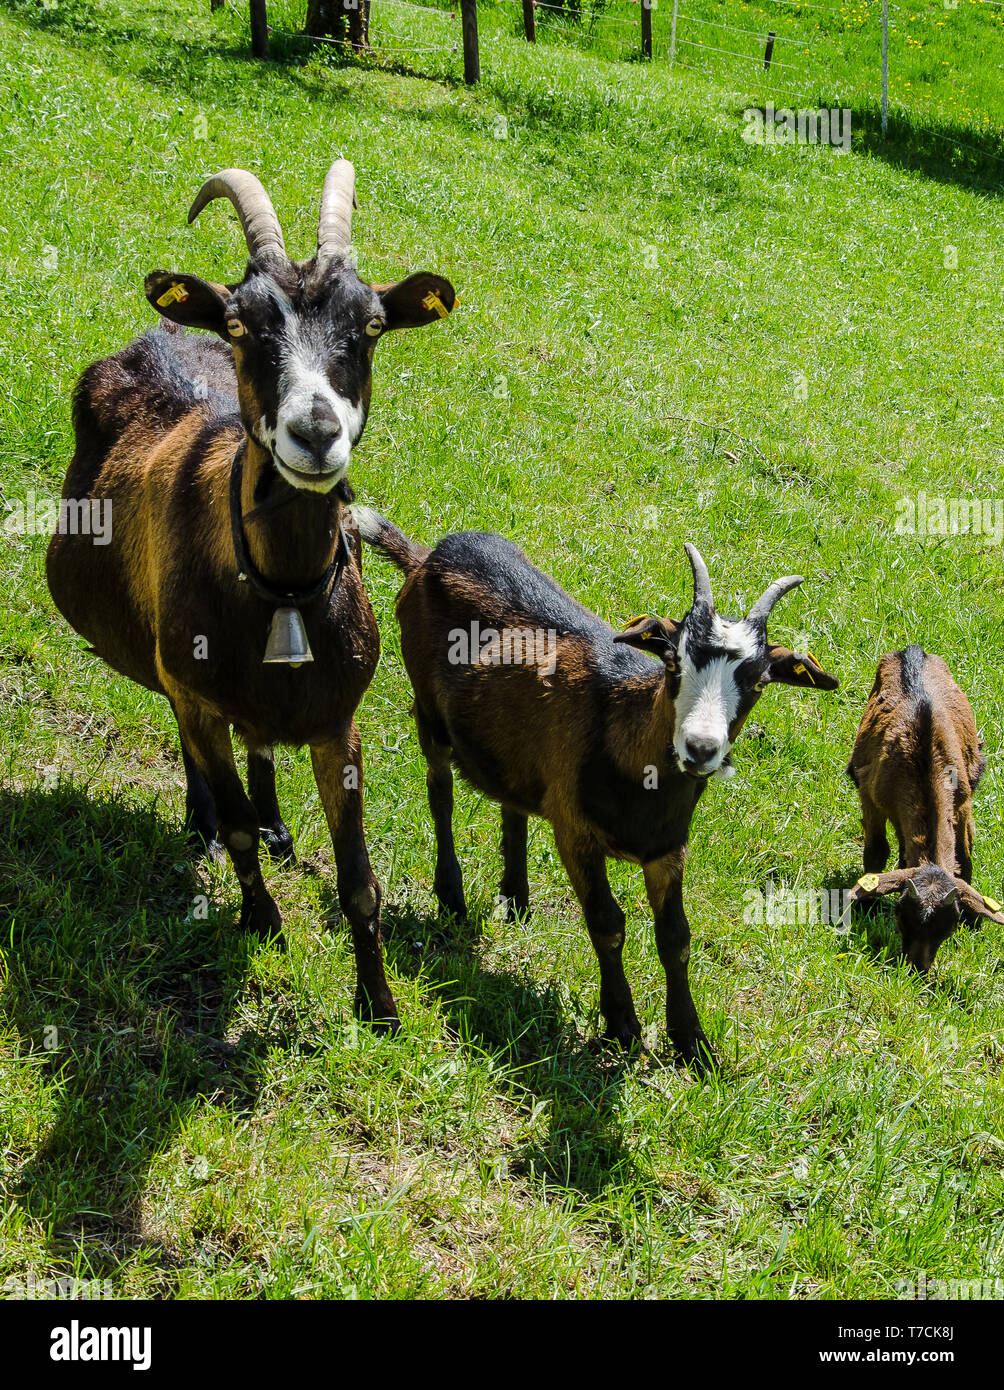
384 536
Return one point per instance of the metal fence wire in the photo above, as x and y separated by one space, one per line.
781 50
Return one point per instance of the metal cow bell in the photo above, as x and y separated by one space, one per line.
287 639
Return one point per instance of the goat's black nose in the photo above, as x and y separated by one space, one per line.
325 422
317 431
701 750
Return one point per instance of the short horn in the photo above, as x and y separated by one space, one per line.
334 229
702 581
254 208
766 601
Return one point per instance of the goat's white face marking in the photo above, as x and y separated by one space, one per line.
709 696
316 427
310 409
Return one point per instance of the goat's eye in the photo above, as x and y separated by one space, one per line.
375 327
235 328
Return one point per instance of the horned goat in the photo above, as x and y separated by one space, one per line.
224 464
588 733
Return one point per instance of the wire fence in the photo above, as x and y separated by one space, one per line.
785 53
886 64
397 33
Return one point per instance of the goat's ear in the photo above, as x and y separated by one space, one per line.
651 635
188 300
877 885
422 298
975 905
798 668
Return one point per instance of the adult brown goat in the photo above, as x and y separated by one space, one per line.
546 709
917 761
224 464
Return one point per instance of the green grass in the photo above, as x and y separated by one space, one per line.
664 334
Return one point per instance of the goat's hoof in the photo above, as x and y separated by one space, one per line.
516 909
264 920
696 1052
279 846
625 1035
380 1015
453 907
206 846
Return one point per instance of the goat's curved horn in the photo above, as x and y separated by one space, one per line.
976 903
254 208
334 229
877 885
702 580
767 600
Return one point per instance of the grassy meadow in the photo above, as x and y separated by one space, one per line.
664 334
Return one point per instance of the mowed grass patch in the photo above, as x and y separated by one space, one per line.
664 334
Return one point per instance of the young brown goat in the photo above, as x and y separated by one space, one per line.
546 709
917 761
224 467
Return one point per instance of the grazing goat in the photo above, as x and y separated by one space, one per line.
224 463
612 749
917 761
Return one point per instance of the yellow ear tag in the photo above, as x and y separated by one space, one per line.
176 292
802 670
433 301
634 622
993 906
869 882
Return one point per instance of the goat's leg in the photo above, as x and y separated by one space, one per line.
585 864
515 887
338 771
261 789
964 844
876 848
664 883
208 739
448 884
200 810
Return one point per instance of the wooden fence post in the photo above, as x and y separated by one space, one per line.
469 23
769 51
259 29
529 21
646 28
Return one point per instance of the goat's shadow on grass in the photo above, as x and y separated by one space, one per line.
525 1027
120 983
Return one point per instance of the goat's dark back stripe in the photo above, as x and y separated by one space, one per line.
924 723
911 662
